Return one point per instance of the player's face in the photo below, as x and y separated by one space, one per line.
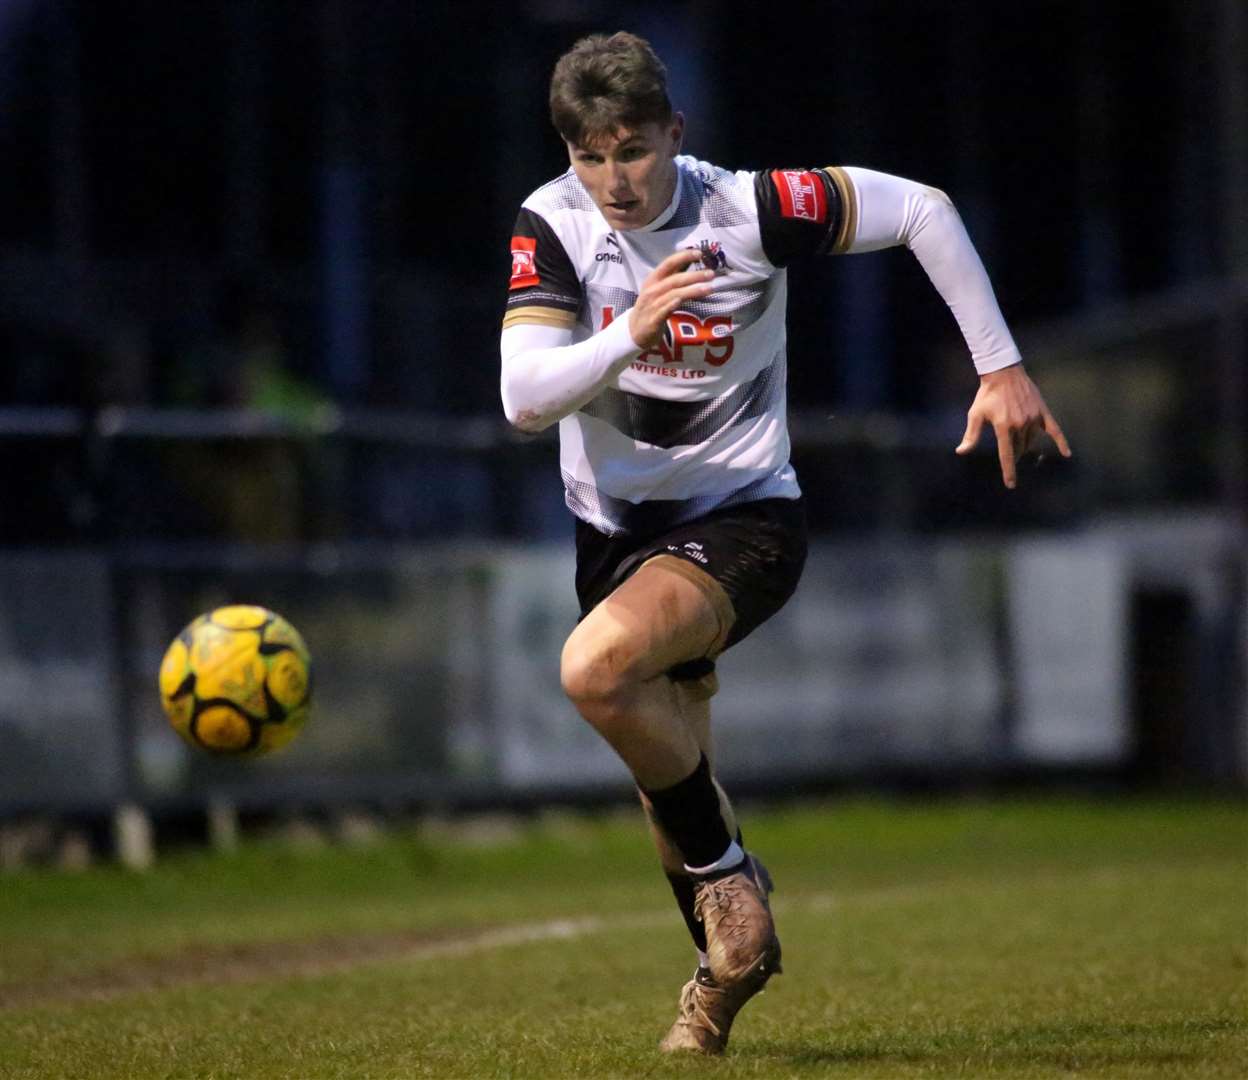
631 175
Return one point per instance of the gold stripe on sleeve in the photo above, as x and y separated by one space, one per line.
532 315
849 209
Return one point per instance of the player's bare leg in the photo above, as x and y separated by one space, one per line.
614 666
614 669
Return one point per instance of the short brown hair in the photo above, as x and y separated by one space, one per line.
606 84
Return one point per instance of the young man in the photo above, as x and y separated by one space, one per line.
646 315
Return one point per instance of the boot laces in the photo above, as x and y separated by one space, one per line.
693 1011
725 897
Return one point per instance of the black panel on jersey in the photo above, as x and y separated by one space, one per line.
786 237
558 285
685 423
650 517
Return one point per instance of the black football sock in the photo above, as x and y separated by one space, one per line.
689 813
682 889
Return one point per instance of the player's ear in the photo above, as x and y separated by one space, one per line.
677 132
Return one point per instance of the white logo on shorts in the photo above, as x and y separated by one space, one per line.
692 549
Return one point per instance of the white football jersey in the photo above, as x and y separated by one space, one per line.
699 422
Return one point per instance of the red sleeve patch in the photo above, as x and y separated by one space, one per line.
801 195
523 262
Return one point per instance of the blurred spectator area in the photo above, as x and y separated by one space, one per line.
204 189
1155 430
293 217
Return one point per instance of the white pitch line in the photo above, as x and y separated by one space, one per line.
530 933
265 964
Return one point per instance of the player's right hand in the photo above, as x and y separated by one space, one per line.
669 285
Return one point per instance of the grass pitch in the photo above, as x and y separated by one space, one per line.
955 938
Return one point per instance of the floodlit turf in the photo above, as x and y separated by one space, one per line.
954 938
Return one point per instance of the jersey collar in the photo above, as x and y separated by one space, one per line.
666 215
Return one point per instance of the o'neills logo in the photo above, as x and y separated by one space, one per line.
801 194
523 262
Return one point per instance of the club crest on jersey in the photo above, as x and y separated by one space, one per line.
713 257
801 195
523 262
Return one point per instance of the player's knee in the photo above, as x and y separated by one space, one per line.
595 677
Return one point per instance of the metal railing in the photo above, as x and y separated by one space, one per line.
128 475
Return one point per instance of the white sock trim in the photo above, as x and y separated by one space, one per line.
730 858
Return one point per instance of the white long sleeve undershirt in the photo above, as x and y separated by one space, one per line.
545 377
893 211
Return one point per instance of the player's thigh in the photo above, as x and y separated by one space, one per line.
660 616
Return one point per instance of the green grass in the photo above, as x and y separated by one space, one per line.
955 938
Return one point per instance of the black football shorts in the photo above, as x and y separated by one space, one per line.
755 550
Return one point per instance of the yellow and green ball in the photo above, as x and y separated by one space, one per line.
237 680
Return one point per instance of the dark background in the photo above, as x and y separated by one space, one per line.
182 172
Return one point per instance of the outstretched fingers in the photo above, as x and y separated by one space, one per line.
974 425
1005 452
1054 432
1009 401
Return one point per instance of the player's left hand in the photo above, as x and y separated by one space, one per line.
1011 403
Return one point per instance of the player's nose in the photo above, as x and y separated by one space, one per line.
617 180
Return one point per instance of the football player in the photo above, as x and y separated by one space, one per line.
646 316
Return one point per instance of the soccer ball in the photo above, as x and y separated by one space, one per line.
237 680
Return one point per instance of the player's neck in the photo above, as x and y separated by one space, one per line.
667 199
